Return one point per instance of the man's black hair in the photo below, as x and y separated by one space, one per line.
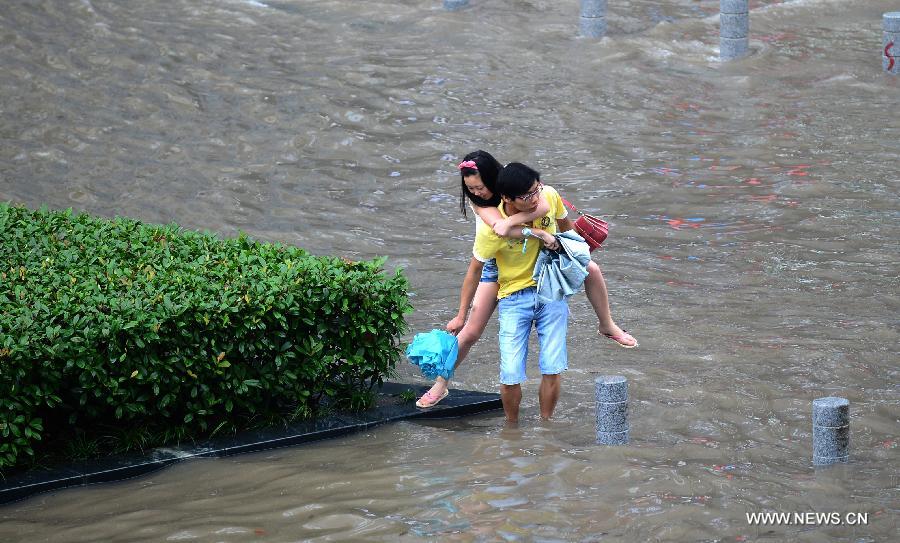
516 179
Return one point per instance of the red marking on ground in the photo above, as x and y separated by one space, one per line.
753 181
686 106
675 223
678 224
798 170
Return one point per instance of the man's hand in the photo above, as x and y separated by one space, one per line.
456 324
549 240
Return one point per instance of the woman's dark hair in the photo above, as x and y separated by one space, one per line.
489 168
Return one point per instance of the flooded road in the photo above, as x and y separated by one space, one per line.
753 248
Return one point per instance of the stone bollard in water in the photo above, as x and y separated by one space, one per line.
831 431
890 44
453 5
612 409
593 18
734 29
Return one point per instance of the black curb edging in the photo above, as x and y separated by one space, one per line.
458 404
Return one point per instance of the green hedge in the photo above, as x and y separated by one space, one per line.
115 321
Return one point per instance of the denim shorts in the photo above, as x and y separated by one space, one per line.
517 312
490 273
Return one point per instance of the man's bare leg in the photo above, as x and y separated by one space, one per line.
548 394
511 396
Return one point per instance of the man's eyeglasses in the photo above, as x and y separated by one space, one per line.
530 195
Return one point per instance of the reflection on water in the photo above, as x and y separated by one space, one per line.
753 246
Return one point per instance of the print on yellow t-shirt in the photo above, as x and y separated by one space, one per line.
516 267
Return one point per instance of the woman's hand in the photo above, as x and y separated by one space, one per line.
456 324
502 227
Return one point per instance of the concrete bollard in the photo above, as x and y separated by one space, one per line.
890 44
831 431
612 409
454 5
734 29
593 18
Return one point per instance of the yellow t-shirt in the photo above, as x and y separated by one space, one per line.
516 267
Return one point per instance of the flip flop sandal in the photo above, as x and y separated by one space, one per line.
622 339
430 400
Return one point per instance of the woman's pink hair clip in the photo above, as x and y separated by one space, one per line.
468 164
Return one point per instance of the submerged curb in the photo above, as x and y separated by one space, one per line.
458 404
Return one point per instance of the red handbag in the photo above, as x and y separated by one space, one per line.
593 229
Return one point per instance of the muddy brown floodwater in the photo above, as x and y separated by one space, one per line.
753 251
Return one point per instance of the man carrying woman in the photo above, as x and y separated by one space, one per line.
520 190
479 173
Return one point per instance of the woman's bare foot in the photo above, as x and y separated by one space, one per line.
618 335
436 393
